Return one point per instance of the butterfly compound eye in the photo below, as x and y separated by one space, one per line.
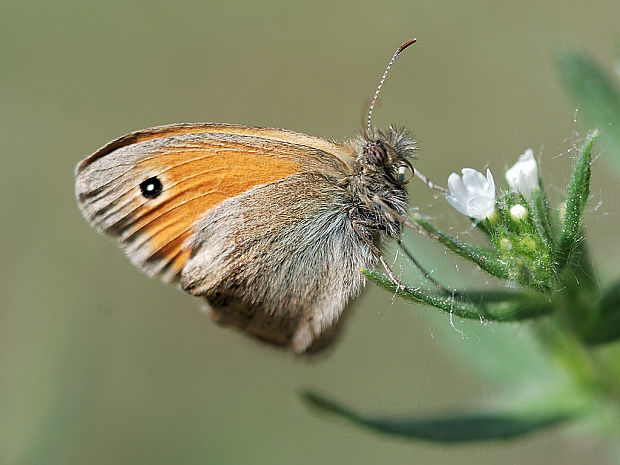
151 188
375 152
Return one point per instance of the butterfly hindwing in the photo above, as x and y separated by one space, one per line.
280 261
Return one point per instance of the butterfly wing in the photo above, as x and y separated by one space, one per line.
253 219
280 261
193 167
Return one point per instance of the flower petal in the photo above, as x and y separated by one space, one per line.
472 194
523 175
456 186
474 180
490 183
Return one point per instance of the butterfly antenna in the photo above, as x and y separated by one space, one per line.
387 70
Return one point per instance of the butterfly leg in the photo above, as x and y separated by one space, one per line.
426 274
403 220
420 231
357 227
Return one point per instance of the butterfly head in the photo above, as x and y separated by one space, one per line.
390 151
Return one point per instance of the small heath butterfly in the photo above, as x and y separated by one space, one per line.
270 227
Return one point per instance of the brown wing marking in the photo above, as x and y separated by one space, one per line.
282 135
196 184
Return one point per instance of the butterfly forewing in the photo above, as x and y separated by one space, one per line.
150 188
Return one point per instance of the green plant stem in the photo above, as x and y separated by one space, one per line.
498 305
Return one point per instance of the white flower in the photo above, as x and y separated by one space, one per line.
523 175
518 212
473 194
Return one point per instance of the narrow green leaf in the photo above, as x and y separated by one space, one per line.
576 198
484 258
606 325
494 305
542 218
458 427
596 95
606 329
610 301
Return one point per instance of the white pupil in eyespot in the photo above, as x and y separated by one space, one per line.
151 187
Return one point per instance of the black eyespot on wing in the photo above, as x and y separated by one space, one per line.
151 187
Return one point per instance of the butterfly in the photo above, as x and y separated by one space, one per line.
270 227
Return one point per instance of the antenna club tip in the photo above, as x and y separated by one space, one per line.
406 44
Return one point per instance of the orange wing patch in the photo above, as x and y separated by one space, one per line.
194 183
199 166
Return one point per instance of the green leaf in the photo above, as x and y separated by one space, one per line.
542 218
492 305
486 259
606 325
595 94
576 198
462 427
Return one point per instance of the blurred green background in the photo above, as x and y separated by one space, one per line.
100 364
